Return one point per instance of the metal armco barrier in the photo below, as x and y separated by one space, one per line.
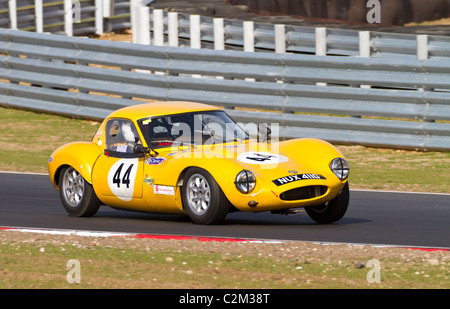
156 27
397 102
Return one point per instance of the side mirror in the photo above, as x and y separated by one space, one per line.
264 132
139 149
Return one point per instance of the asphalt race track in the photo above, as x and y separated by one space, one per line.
385 218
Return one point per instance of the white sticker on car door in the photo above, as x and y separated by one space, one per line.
122 178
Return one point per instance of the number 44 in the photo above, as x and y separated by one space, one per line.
126 177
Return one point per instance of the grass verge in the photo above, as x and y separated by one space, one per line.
42 262
29 138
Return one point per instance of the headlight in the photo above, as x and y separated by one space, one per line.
245 181
340 168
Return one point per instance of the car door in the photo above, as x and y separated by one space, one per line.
118 172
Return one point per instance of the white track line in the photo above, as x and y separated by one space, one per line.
87 233
83 233
64 232
24 173
401 192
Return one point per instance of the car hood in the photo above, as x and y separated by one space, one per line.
305 157
275 161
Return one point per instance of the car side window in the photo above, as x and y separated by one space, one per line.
121 137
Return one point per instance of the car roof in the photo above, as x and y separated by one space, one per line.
160 108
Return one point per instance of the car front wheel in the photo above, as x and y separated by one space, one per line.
77 195
331 211
203 200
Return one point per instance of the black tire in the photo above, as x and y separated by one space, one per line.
203 199
332 211
77 195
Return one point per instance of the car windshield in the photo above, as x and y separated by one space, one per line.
198 128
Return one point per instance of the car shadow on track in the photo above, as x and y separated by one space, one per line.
237 218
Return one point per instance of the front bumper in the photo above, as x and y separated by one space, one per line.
313 193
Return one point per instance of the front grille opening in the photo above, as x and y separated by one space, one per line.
303 193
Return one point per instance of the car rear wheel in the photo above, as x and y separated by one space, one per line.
203 200
77 195
332 211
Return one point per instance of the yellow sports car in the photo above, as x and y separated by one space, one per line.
192 158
